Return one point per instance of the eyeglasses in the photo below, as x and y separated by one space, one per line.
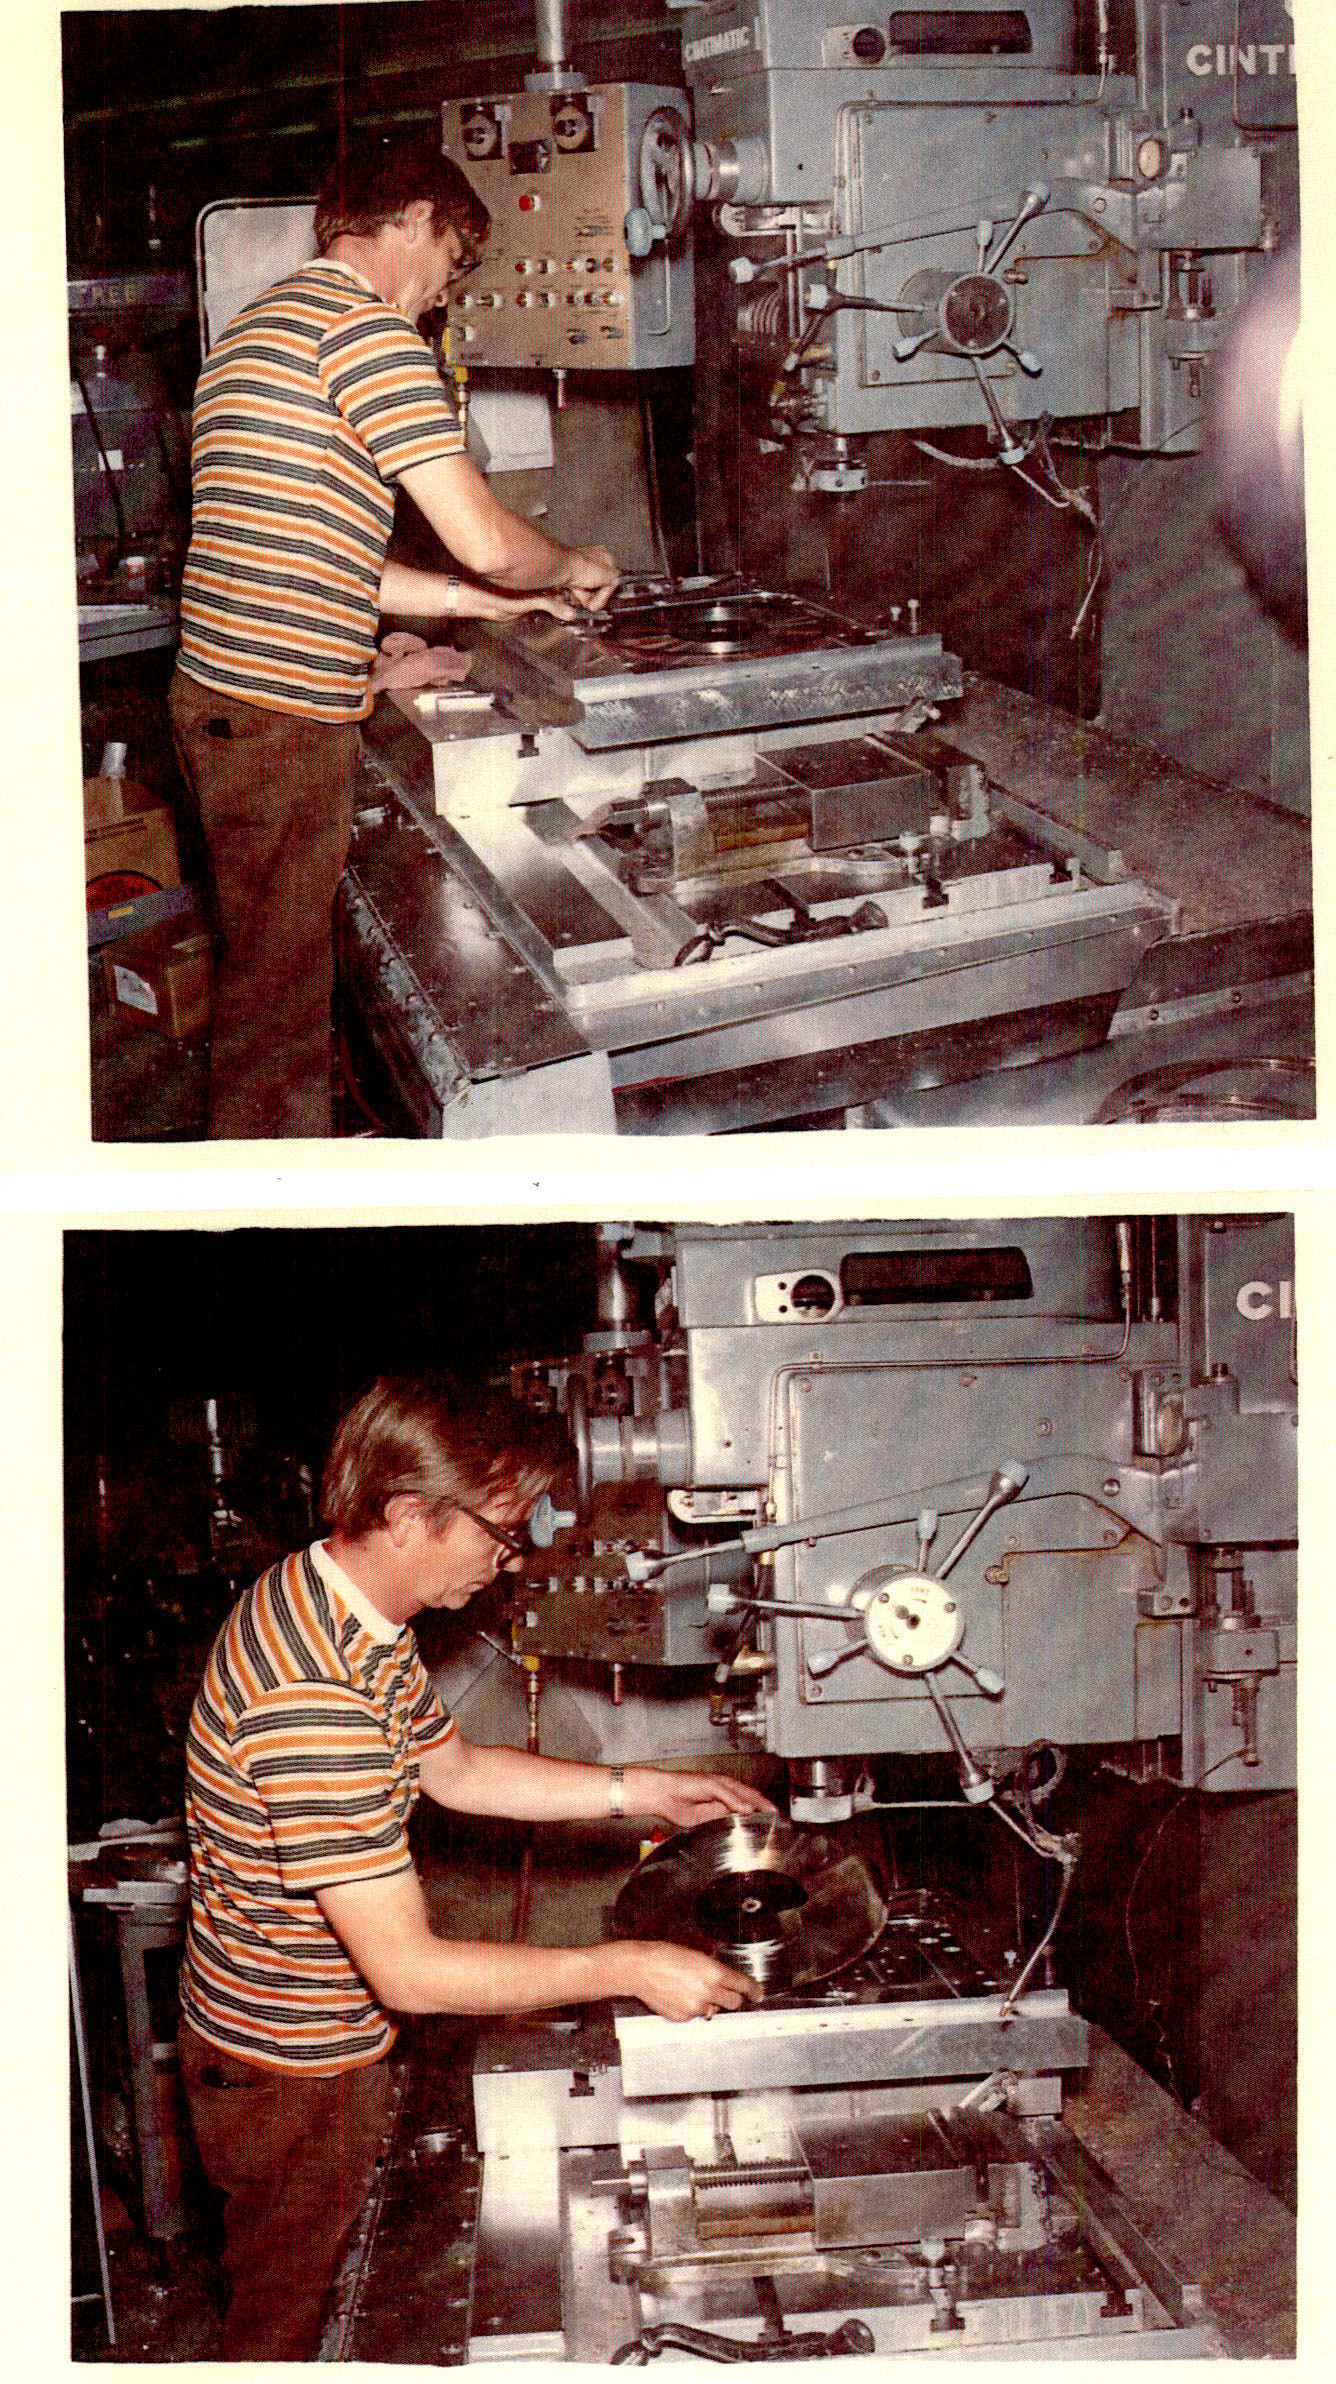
514 1543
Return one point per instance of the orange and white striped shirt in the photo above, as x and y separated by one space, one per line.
315 399
301 1772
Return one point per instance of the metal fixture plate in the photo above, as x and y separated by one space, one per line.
781 2047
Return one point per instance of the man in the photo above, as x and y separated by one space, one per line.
317 402
313 1732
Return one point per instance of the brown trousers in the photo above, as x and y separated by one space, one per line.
296 2159
275 797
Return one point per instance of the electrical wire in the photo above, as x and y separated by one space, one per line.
1095 559
709 939
1094 573
1065 1852
1059 495
959 463
1144 460
1062 504
1032 1792
1075 497
1234 1756
1106 57
1039 1840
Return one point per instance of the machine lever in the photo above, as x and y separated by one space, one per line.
1007 1483
927 1533
1034 203
825 1659
991 1683
975 1784
1012 450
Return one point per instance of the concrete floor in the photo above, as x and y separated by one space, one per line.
146 1087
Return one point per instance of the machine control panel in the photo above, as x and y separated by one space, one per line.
557 284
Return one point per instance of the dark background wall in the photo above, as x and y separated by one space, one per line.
245 102
297 1320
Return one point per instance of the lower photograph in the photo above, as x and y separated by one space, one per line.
703 1792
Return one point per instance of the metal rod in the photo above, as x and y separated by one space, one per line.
550 32
1005 1485
81 2046
974 1781
902 1506
1034 202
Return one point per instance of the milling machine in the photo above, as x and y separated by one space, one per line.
874 1496
724 858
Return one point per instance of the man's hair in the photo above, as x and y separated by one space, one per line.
452 1444
375 177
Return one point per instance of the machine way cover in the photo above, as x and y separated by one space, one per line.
786 1905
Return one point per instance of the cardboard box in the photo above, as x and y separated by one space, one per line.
163 977
129 842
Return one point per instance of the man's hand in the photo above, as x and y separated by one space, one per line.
675 1981
590 575
685 1798
488 604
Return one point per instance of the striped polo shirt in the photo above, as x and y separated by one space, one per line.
301 1772
315 399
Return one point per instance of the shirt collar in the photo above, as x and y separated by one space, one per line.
376 1624
355 273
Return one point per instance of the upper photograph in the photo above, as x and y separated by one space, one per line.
724 569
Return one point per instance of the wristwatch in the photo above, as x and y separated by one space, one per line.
617 1791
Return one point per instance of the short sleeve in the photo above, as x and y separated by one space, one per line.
380 376
335 1801
431 1724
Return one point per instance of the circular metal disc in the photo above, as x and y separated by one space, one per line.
786 1905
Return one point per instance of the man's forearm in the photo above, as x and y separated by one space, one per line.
439 596
521 1787
447 1975
383 1925
525 558
487 537
496 544
417 595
